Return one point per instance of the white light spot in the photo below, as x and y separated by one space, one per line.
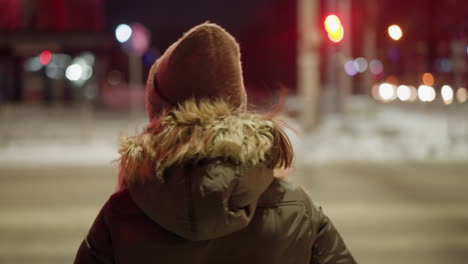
404 93
74 72
462 95
123 32
395 32
447 94
426 93
361 64
387 92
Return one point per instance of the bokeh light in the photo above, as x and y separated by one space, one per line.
376 67
332 23
45 57
123 32
74 72
361 64
54 71
387 92
426 93
395 32
443 65
404 93
447 94
350 68
413 93
462 95
336 36
428 79
33 64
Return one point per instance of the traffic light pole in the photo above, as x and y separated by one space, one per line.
369 48
136 82
308 71
344 54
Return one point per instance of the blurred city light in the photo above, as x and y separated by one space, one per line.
332 23
387 92
334 28
53 71
443 65
361 64
404 93
45 57
376 67
74 72
413 93
33 64
350 68
428 79
395 32
336 36
61 60
426 93
123 32
87 72
462 95
447 94
88 57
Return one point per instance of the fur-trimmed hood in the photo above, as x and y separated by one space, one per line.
199 169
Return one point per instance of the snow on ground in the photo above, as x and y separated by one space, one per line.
368 133
386 133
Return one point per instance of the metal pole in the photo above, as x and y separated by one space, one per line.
369 49
344 80
135 80
308 75
331 87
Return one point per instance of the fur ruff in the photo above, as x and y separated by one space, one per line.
203 130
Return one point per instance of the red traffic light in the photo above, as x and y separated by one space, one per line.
45 57
334 28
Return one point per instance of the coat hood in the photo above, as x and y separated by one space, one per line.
199 170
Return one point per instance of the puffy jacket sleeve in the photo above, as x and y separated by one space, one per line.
97 245
328 246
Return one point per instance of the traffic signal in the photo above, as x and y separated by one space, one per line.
45 57
334 28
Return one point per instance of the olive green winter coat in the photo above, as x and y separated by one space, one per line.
200 187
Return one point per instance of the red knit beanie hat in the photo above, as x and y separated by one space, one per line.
204 63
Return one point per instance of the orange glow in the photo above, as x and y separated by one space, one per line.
428 79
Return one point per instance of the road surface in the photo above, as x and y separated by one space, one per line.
394 213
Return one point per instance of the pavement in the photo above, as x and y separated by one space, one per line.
403 213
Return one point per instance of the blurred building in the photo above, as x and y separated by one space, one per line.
435 40
40 39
